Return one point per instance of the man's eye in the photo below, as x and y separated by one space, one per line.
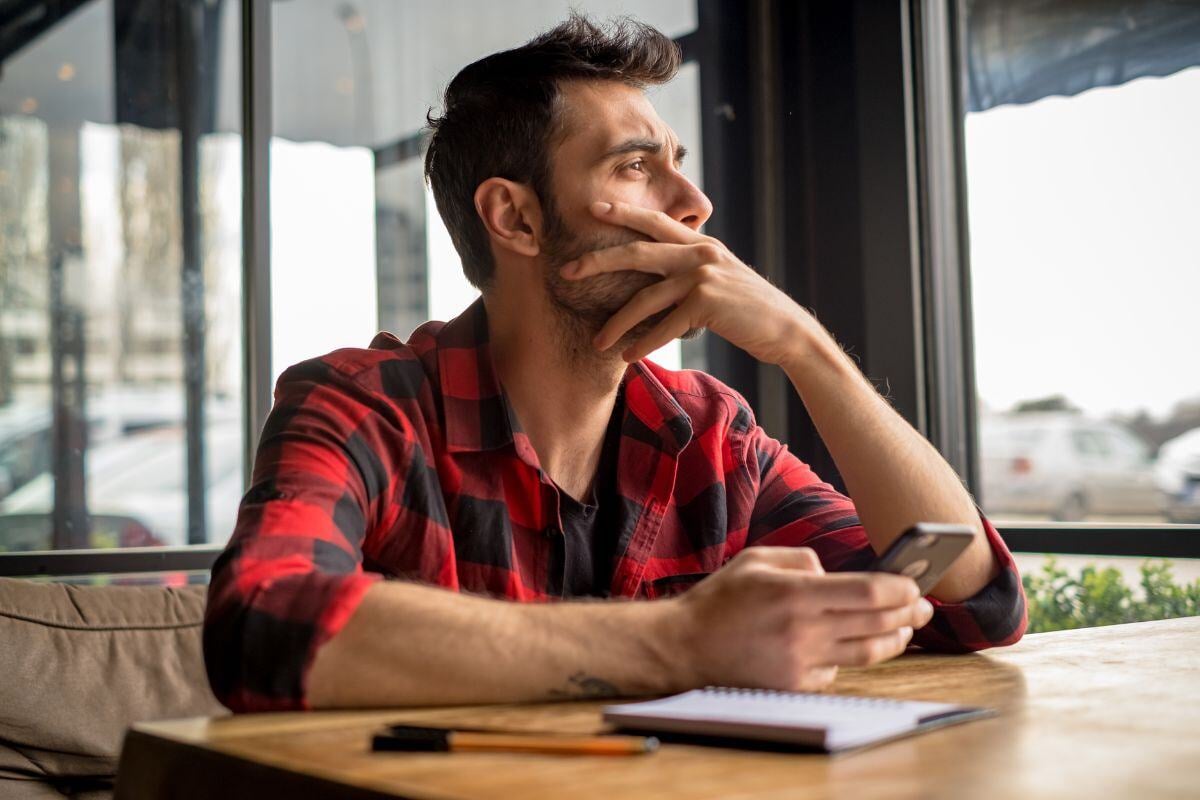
639 165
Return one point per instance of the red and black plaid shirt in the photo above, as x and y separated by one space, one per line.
405 460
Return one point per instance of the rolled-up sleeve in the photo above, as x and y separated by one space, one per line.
291 575
794 507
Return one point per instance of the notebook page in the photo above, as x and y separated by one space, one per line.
837 721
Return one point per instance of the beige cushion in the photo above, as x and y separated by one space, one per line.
75 788
80 663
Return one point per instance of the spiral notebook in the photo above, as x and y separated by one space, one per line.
800 720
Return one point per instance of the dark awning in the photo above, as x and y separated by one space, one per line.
1018 51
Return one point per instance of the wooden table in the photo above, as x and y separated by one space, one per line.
1102 712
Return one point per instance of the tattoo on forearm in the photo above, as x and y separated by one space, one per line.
585 687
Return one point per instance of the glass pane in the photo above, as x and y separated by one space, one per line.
352 83
120 276
1085 264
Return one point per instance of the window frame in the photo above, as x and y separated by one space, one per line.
257 398
902 261
255 100
899 264
939 47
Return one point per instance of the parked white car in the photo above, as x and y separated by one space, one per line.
1178 474
1066 467
135 464
141 477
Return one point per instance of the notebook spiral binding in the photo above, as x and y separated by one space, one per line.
777 694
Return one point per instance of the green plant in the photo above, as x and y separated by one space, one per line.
1099 596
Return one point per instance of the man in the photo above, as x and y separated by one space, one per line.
524 451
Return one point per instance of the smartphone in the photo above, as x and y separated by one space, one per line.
925 551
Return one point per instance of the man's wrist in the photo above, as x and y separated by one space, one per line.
668 636
813 349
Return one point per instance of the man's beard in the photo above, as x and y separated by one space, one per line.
584 305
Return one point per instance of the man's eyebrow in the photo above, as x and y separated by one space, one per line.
642 146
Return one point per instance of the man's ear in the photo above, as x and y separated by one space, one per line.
511 213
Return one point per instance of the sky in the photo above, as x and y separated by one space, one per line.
323 276
1084 216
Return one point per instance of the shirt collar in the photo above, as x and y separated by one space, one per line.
478 416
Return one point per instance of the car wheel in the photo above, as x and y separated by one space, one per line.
1073 509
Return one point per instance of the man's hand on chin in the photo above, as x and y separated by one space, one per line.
708 285
894 475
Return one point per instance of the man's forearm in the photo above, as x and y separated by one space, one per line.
770 618
408 644
893 474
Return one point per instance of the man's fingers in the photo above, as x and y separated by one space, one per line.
676 324
869 649
857 624
860 591
655 258
655 224
651 300
797 558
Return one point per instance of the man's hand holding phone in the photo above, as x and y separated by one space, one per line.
773 618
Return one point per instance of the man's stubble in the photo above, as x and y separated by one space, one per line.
584 305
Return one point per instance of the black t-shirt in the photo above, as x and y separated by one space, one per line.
587 548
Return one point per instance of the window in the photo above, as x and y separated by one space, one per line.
356 239
120 275
121 272
121 259
1081 175
1085 266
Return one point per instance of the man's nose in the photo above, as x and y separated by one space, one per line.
690 205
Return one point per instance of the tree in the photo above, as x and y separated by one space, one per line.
1056 402
1184 416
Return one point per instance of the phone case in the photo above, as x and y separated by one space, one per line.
925 551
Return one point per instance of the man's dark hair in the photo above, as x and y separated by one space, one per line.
501 115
